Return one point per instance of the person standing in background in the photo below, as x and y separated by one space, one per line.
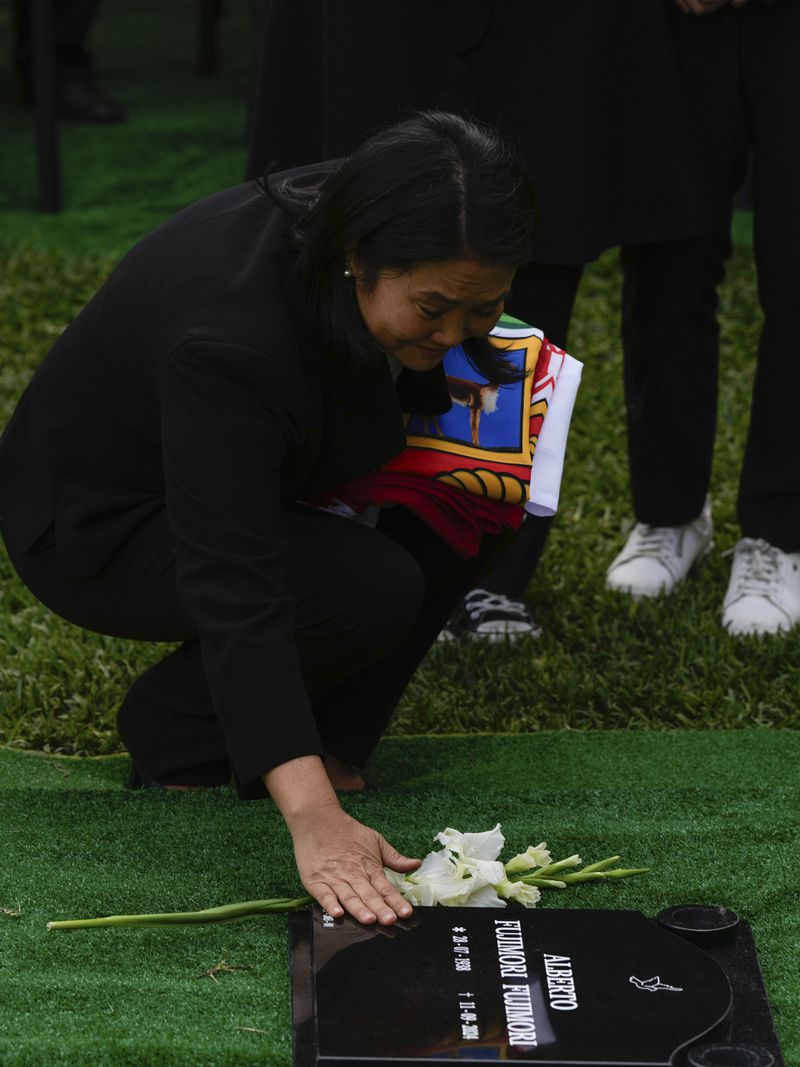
599 100
78 96
742 87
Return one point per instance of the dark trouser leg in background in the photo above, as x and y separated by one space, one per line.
670 341
72 23
78 97
543 296
769 489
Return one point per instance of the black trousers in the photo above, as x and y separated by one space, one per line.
369 604
72 22
670 342
746 89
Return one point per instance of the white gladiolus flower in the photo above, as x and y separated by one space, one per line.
438 867
527 895
485 898
436 880
484 872
448 879
485 846
533 856
467 872
462 874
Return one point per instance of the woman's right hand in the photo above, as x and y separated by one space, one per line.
340 860
341 863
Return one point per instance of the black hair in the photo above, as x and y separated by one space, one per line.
434 187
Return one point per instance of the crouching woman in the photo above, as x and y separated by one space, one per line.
250 355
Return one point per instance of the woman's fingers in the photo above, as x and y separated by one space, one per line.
338 898
355 905
360 900
328 901
364 900
375 902
391 895
341 862
395 860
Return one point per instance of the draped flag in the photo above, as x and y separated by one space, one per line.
473 469
485 444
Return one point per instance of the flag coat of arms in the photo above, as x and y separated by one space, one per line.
486 443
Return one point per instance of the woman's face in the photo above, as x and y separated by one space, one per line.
416 316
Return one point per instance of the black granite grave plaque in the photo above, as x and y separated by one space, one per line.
546 986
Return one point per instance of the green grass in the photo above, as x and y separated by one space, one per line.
604 661
713 813
185 137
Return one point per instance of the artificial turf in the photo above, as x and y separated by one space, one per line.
714 814
603 661
713 811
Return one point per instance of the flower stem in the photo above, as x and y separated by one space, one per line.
543 883
595 876
594 872
554 868
226 913
601 865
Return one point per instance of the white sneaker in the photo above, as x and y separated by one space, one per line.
763 594
656 558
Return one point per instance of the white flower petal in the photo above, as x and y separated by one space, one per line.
423 895
507 888
450 838
486 872
436 865
438 878
485 897
529 896
484 846
397 880
533 856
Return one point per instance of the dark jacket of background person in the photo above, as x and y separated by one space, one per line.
194 379
592 94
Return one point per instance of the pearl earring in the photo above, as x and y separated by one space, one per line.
347 272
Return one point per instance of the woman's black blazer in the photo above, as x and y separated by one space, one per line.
195 380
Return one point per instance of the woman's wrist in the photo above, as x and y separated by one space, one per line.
301 788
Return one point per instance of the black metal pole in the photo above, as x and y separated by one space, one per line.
44 96
207 14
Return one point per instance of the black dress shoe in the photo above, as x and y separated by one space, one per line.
81 101
140 779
